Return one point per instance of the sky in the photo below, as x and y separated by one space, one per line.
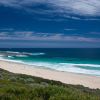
49 23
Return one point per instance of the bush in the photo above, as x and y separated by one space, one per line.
24 87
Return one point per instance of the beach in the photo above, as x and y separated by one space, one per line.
64 77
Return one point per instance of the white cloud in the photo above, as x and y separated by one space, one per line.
81 7
78 7
29 35
70 29
6 29
10 3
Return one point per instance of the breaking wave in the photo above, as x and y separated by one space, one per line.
91 69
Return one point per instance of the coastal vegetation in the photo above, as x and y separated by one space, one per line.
24 87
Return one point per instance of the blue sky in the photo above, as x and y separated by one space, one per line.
47 23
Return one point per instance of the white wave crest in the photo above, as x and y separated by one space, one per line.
66 67
21 56
1 55
36 54
12 52
10 57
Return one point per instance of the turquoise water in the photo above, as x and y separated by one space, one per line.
84 61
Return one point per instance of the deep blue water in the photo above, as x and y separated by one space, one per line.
77 60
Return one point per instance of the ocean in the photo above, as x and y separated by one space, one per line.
76 60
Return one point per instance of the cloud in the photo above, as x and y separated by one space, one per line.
84 8
6 29
29 35
80 7
10 3
69 29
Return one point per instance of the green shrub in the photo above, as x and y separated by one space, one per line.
24 87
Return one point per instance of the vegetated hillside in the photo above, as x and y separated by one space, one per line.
24 87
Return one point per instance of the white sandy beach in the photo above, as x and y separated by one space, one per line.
64 77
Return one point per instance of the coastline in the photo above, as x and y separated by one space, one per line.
64 77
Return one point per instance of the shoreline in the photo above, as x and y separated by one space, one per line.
64 77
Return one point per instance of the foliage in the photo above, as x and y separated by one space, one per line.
24 87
